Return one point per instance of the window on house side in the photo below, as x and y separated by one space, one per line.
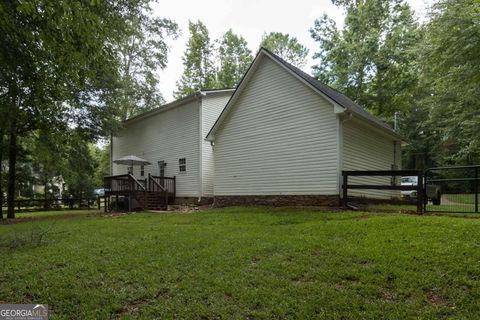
182 164
161 168
142 171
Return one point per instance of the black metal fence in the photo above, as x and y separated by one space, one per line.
457 188
373 185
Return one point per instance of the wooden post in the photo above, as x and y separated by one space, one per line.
88 203
344 188
174 186
420 193
166 199
98 202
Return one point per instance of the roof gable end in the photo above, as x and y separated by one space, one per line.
338 100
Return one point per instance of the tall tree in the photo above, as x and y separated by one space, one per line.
47 156
372 59
199 70
234 57
286 47
58 65
143 52
451 73
101 155
79 172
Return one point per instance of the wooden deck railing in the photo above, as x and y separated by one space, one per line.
124 183
127 183
167 183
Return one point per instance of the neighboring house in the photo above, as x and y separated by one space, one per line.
171 137
284 138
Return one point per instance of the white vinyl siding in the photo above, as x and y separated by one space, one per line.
364 148
165 136
280 137
212 106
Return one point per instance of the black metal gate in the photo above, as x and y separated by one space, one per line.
452 189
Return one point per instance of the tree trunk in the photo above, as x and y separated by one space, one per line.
1 172
45 205
12 160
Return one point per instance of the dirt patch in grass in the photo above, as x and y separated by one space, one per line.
437 298
133 305
389 295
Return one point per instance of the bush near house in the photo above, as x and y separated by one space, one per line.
246 263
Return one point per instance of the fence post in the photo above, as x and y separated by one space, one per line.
420 190
476 189
174 186
344 188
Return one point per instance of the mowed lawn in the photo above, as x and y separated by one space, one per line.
242 263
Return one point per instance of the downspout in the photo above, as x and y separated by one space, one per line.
348 116
199 95
111 154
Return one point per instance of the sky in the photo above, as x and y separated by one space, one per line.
251 19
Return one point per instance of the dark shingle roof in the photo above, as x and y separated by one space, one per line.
331 93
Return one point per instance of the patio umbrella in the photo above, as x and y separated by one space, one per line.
132 160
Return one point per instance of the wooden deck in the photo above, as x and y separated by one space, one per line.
153 192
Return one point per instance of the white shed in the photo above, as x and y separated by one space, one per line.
171 137
284 138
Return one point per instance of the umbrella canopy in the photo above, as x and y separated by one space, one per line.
132 160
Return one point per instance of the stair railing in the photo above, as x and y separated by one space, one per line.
154 183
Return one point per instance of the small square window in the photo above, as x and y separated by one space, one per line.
182 165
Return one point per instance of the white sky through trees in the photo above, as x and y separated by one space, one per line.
249 18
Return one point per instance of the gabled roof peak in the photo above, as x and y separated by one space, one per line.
331 94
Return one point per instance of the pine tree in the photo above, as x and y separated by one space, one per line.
286 47
199 70
234 57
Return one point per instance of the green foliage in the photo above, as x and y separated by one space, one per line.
143 52
80 167
286 47
239 263
199 70
451 74
101 156
65 65
372 59
57 57
234 57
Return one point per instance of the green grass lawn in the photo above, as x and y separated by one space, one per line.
393 207
246 263
55 213
463 198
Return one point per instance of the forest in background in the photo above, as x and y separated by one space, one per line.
71 71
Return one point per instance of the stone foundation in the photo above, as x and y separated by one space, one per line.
278 201
193 201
